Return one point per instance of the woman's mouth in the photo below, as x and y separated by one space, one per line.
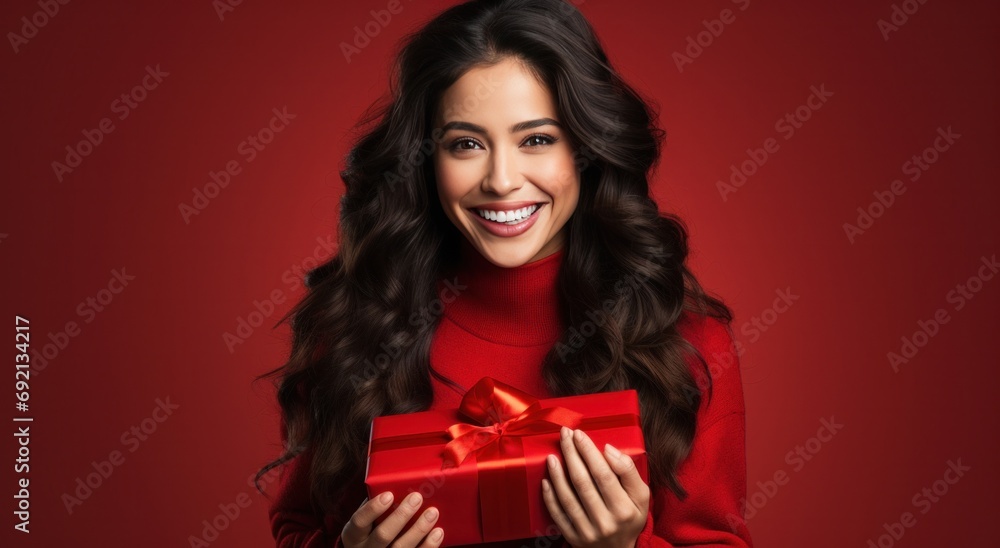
508 222
511 217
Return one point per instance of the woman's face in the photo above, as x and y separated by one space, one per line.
502 154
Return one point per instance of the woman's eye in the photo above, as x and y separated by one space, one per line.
533 140
459 144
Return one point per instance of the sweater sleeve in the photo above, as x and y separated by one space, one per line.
714 472
715 478
294 523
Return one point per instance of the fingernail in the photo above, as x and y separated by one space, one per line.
413 500
552 461
545 485
384 498
614 452
564 432
578 434
436 534
431 514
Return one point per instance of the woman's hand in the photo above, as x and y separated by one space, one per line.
359 533
604 503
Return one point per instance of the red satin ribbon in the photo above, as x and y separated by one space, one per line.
502 415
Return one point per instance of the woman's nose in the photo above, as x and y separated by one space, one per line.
502 176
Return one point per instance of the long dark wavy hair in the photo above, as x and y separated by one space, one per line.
623 258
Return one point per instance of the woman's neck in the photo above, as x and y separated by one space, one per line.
516 306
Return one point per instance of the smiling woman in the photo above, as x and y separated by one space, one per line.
526 241
511 171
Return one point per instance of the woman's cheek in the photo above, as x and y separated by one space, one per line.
563 178
449 181
458 176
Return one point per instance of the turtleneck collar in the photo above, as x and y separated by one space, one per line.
512 306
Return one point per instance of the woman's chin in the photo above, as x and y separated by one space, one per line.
508 254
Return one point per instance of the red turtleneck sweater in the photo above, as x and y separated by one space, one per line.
502 323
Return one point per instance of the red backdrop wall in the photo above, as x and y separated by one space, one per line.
131 280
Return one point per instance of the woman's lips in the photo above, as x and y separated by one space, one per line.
505 230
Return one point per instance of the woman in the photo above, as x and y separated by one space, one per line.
497 221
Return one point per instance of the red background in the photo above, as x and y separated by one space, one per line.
825 356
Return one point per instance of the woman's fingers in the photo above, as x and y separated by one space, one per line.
359 531
606 478
579 496
559 516
565 494
583 481
419 531
623 465
600 495
387 531
434 539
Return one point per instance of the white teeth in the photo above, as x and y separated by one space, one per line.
509 217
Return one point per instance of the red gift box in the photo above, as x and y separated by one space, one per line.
482 465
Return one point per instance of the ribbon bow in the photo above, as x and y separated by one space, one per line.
501 415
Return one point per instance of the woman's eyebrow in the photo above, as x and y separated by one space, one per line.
520 126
